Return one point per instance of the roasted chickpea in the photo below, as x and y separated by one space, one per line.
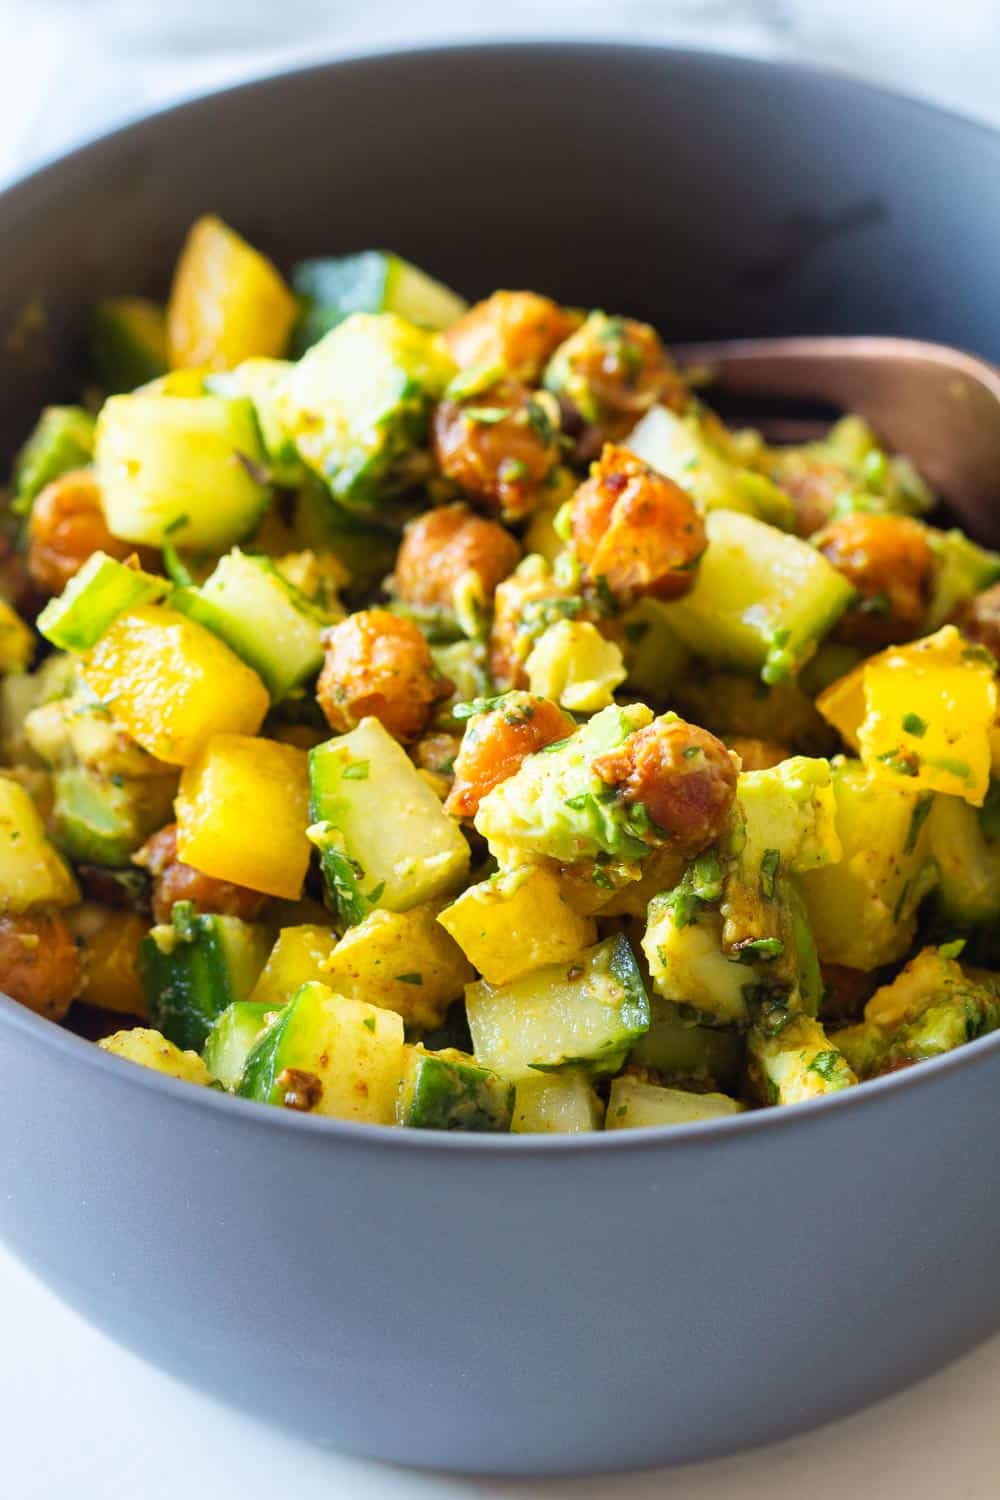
757 755
496 742
524 605
978 618
607 374
40 964
683 776
516 330
499 446
636 530
436 753
175 881
67 525
378 663
443 547
889 561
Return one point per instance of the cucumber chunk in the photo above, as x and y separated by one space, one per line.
330 1055
590 1011
128 342
189 466
195 967
633 1105
370 859
260 380
231 1039
963 569
762 600
680 448
451 1091
967 897
98 594
265 619
358 404
556 1104
62 440
100 820
372 281
683 1051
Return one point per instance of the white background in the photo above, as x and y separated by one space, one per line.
77 1414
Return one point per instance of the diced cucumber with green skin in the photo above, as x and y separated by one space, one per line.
232 1037
373 281
260 379
833 660
328 1055
590 1012
191 468
266 620
557 1104
415 854
451 1091
556 806
194 968
682 1050
762 600
62 440
128 342
966 899
100 820
963 569
791 1058
98 594
654 656
634 1105
358 404
678 447
366 548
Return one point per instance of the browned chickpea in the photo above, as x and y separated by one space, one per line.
607 374
845 992
814 484
175 881
67 524
757 755
978 618
496 742
889 561
436 753
378 663
524 605
441 547
636 530
517 330
499 446
40 965
683 776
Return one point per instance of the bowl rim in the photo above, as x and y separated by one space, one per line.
43 1033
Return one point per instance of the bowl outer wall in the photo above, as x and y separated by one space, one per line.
535 1308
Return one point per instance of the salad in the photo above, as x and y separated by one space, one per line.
428 714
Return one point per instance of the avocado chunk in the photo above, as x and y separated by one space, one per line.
373 281
450 1091
63 439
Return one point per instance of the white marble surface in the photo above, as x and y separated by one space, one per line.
78 1414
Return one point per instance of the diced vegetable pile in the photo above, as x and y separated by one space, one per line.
432 715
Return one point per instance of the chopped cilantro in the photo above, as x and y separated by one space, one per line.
770 860
487 414
409 979
953 949
918 818
764 948
915 725
369 1021
827 1065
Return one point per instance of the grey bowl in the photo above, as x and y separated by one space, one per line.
510 1304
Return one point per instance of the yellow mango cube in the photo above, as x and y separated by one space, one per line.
172 684
110 941
227 302
517 922
152 1050
929 710
242 812
926 711
296 958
